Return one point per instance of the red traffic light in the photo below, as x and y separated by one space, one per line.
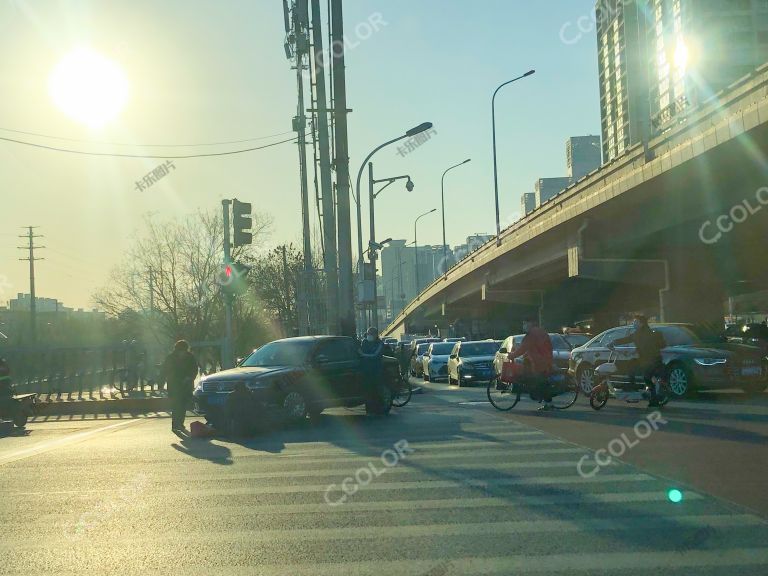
228 271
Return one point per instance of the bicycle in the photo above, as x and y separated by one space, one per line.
505 395
404 391
604 387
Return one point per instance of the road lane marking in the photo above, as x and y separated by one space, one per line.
53 444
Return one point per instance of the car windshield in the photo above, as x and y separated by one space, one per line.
558 342
280 353
478 349
442 349
576 340
679 336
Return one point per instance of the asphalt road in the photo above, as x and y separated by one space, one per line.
444 486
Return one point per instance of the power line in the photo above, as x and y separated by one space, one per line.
159 157
144 145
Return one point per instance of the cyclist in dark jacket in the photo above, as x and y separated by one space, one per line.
648 345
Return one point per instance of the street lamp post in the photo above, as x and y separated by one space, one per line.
495 172
416 247
442 204
412 132
373 247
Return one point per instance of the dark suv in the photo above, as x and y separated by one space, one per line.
300 377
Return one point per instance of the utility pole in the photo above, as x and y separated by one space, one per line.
300 34
228 357
330 257
30 247
346 294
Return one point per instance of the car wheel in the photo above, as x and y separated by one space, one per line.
585 377
20 419
680 380
295 406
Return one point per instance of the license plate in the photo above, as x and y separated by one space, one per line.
751 371
217 400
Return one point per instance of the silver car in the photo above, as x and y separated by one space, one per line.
435 361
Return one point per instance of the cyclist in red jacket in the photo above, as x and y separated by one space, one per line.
537 349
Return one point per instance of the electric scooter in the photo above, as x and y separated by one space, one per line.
606 386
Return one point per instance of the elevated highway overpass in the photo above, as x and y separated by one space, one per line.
671 229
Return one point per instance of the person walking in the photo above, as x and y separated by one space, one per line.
179 370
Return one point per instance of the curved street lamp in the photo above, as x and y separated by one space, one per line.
358 200
416 247
495 173
442 202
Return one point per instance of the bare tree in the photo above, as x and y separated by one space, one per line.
172 273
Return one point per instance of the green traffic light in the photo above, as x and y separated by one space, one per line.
675 495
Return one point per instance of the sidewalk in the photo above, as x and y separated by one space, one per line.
134 402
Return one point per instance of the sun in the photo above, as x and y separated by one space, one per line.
88 87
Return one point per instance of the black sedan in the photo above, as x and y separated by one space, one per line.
694 360
300 377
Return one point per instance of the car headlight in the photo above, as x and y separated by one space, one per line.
709 361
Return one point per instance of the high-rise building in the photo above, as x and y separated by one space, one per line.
623 71
528 203
547 188
400 280
583 156
697 48
658 59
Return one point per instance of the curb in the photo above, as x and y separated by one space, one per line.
134 405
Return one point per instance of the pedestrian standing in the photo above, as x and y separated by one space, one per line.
179 370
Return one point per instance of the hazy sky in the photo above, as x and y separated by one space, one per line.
208 71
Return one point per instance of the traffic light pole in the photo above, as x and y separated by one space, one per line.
227 360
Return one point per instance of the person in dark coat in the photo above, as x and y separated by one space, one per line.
372 351
180 369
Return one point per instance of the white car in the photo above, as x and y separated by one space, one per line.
435 361
472 362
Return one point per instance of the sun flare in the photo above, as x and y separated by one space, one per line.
88 88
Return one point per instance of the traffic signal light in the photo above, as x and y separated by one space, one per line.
241 223
233 278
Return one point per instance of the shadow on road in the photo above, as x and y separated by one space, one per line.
203 449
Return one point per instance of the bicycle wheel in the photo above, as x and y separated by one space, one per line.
599 396
665 393
404 392
501 395
566 394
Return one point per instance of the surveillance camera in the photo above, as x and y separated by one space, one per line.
409 185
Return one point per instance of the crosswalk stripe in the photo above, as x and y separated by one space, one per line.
426 484
591 561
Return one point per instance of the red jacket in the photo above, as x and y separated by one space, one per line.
537 347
